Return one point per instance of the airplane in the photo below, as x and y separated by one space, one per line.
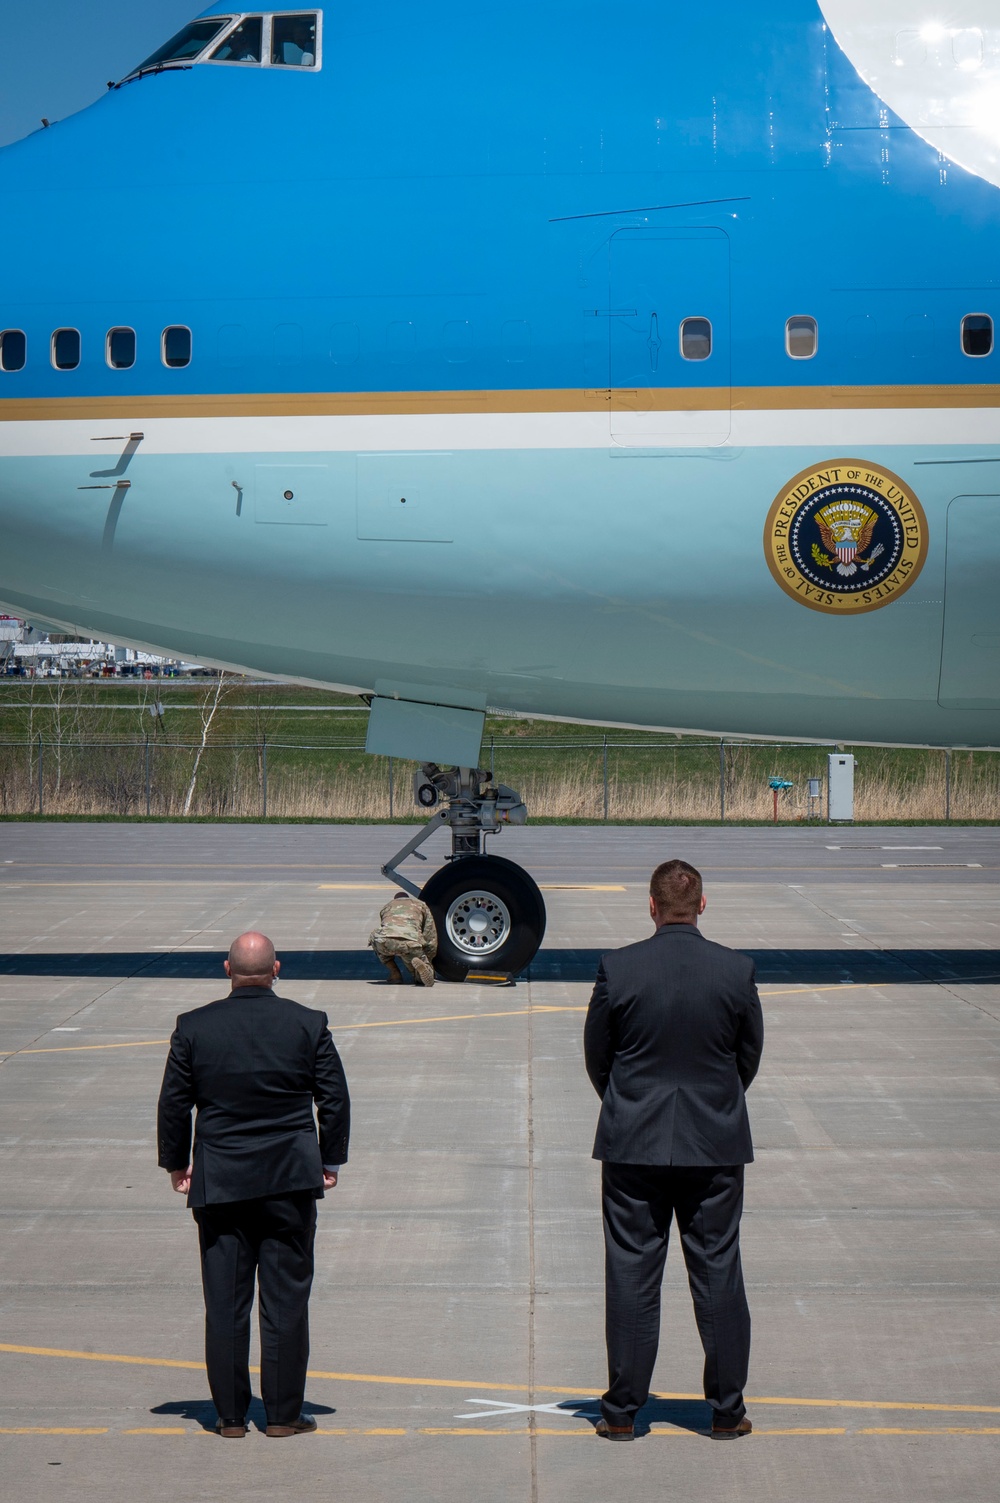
630 364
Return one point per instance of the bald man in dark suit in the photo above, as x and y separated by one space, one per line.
673 1038
252 1066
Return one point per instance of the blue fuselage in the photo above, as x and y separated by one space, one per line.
447 422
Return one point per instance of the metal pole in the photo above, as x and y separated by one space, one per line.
147 777
605 775
947 785
263 778
390 789
722 780
41 797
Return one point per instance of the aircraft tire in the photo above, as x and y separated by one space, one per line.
490 916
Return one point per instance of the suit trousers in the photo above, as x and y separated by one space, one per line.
639 1202
270 1241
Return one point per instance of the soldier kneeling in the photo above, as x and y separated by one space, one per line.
406 933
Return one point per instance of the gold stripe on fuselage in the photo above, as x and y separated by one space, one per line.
573 399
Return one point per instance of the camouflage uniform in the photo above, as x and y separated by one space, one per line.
406 932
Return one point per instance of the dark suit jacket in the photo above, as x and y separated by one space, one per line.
673 1037
253 1064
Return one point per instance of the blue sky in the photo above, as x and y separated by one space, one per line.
57 58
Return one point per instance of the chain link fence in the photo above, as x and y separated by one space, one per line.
607 779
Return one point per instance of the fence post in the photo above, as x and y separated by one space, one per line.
947 784
41 796
263 778
605 774
390 789
722 780
147 778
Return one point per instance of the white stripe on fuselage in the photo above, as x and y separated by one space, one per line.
841 429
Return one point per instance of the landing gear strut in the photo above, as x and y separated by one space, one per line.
489 913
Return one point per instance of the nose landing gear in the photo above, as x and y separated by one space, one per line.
489 913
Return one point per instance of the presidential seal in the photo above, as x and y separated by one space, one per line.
845 537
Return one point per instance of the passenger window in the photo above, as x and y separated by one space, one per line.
66 349
293 41
120 349
977 334
345 344
13 350
243 43
801 337
187 44
696 339
175 345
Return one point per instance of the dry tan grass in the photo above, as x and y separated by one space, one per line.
575 793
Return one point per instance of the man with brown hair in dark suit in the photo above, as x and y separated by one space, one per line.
673 1038
252 1065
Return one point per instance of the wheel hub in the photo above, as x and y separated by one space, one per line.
478 922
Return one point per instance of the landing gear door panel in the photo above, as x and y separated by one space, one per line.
970 657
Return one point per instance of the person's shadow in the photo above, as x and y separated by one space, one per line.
684 1414
202 1411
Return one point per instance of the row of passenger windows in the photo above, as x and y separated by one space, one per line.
695 338
119 348
285 40
802 334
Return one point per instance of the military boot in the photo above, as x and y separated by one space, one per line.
422 969
393 970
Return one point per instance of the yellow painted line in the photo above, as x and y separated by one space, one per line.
353 887
836 1430
51 1430
159 1430
348 1431
458 1017
938 1430
84 1048
582 887
590 1393
461 1017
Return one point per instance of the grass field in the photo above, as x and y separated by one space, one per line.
219 745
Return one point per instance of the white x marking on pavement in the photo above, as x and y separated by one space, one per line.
498 1406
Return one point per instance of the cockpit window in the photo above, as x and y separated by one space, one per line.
243 44
293 41
187 43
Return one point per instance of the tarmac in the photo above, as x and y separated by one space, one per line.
457 1316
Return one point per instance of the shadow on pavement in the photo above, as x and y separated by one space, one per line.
774 967
683 1414
202 1411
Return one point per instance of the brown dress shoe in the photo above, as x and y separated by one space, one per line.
304 1425
230 1429
614 1432
731 1432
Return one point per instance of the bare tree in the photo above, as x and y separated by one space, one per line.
208 712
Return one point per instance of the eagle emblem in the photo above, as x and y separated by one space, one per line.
846 528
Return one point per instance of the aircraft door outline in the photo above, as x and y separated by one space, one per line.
660 280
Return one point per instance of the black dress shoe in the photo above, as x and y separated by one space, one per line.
230 1429
731 1432
304 1425
614 1432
